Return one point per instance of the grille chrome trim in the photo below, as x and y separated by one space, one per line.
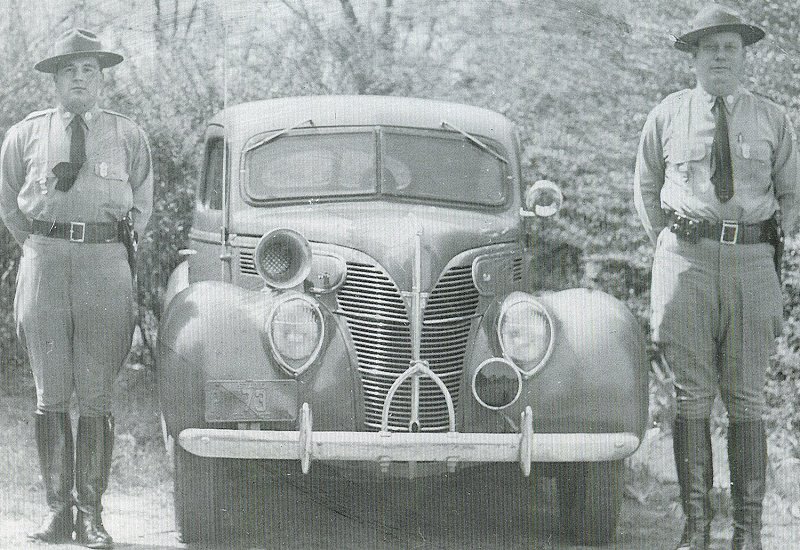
384 351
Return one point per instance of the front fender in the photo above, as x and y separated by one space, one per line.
178 280
596 379
213 330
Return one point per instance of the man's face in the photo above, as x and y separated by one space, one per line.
78 83
719 62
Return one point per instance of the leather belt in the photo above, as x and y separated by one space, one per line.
726 232
78 232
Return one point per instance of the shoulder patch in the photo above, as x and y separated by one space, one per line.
37 114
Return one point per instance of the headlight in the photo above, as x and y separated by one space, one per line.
295 329
525 332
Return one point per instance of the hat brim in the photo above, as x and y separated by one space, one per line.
750 35
106 60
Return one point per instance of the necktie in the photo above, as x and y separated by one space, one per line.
66 172
721 169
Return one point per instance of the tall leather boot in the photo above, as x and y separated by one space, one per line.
54 442
747 456
95 442
691 440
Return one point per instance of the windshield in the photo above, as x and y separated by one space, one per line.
425 165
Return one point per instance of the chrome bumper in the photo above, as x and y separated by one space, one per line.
385 447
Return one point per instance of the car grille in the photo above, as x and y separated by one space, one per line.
247 261
379 324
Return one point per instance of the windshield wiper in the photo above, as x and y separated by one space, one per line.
476 141
277 134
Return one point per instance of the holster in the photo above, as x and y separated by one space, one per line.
776 239
131 241
685 228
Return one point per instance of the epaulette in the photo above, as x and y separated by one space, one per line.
118 114
674 96
37 114
765 98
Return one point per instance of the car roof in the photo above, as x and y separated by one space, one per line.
247 119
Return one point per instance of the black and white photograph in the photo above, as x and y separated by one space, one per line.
384 274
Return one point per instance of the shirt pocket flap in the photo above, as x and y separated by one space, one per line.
755 150
111 171
694 152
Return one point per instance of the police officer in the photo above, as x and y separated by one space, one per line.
715 182
69 176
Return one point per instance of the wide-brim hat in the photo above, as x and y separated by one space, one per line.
716 18
77 43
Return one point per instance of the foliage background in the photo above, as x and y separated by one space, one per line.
578 77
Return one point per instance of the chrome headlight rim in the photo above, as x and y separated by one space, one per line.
294 369
514 369
524 298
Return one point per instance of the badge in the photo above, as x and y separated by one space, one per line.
746 150
42 181
102 169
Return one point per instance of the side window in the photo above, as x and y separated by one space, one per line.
212 184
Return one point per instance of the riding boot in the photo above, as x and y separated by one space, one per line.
691 440
747 456
54 442
92 469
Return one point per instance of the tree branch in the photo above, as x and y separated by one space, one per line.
350 15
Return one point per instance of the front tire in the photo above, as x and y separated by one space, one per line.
196 482
590 498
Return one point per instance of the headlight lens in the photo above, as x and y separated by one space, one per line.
295 328
525 332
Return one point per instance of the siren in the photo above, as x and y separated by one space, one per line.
283 258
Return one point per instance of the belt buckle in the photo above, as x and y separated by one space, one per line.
72 231
730 232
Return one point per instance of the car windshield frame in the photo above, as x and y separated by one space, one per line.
386 170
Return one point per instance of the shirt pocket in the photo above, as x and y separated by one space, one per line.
754 160
688 166
117 190
40 180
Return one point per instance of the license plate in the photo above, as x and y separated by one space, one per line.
251 400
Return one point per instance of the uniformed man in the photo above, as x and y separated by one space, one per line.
716 179
69 177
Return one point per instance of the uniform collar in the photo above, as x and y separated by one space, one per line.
89 117
729 99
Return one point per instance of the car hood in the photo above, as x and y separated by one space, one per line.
386 231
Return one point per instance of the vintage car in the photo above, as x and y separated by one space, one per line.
358 290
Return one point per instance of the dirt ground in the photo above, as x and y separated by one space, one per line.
488 510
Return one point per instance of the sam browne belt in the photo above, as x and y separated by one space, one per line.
79 232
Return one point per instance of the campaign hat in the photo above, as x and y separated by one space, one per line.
77 43
715 18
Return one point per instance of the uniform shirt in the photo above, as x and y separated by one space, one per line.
673 165
117 176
